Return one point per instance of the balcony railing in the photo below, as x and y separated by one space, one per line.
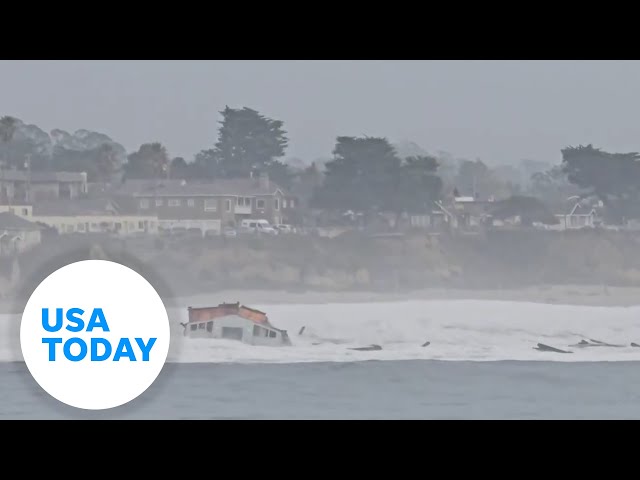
243 209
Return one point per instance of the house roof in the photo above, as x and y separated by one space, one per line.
103 205
234 310
76 206
220 187
579 209
443 209
125 205
42 177
11 221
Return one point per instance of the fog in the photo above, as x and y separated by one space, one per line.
407 177
462 211
498 111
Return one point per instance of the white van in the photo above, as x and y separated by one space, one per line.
258 226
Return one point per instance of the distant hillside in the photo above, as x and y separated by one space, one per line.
495 259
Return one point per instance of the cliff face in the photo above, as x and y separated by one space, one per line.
353 262
520 258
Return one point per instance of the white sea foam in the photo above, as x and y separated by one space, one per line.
458 330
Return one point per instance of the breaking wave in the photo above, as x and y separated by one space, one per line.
457 330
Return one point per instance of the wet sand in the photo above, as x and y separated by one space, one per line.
560 295
603 296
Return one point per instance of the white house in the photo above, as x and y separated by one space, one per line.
17 235
234 322
95 215
579 216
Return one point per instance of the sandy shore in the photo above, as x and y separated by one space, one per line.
565 295
559 295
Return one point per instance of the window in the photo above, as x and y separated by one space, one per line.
191 202
201 326
118 226
263 332
210 205
234 333
260 204
292 203
70 228
209 327
227 205
174 202
277 204
144 203
94 226
81 227
158 202
141 225
284 203
25 211
194 327
243 201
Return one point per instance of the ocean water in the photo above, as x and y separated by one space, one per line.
411 389
480 364
457 329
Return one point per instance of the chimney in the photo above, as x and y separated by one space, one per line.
264 181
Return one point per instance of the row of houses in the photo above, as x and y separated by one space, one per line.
67 203
469 213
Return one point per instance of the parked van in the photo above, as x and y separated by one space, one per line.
258 226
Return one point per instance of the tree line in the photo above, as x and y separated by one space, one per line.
364 174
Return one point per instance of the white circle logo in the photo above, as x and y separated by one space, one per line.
95 334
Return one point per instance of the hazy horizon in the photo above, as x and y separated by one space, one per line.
498 111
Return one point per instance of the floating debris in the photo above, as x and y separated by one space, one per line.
367 349
547 348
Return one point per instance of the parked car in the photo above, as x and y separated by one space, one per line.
229 232
258 226
284 228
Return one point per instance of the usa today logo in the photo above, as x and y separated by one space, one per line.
95 334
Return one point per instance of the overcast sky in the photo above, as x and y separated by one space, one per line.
499 111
